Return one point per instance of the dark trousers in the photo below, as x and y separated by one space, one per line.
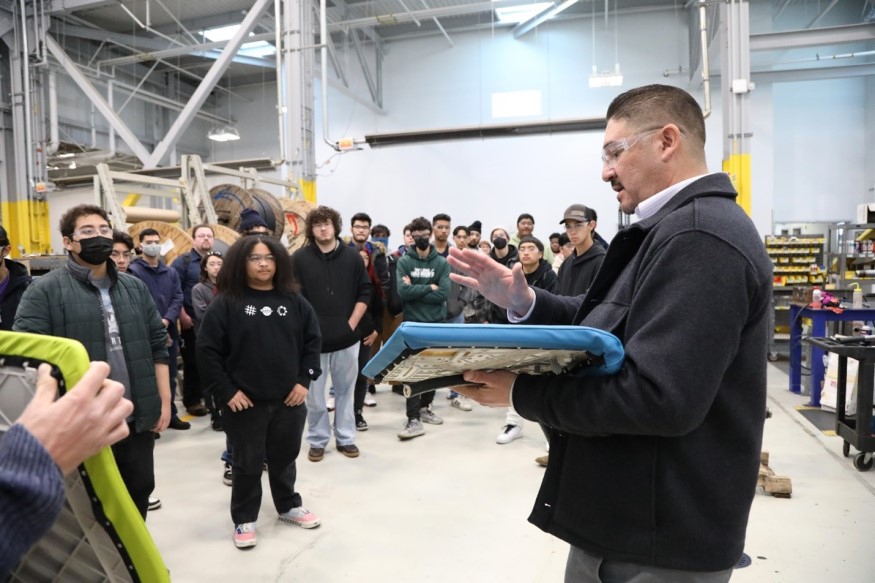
267 431
191 381
361 382
417 402
135 461
173 352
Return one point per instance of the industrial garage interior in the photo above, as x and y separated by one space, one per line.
481 110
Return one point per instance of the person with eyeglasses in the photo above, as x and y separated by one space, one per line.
112 314
579 269
188 267
259 351
652 470
14 279
122 250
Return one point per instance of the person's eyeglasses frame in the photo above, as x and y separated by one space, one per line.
611 151
89 232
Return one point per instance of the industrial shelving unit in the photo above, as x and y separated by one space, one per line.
798 260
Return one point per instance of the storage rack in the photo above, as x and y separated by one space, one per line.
797 260
851 255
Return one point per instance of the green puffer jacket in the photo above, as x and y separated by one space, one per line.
65 303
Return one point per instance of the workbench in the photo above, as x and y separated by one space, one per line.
818 318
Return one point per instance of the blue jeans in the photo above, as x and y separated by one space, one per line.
343 366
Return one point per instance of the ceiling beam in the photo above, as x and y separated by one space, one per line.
212 77
793 39
56 6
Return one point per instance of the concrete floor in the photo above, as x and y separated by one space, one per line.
452 506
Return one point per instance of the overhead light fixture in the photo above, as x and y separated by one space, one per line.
541 17
225 134
605 78
252 49
517 14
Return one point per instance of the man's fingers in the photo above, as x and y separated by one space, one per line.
477 377
46 385
93 379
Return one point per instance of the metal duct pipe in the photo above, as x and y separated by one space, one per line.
25 65
706 72
280 107
323 57
54 139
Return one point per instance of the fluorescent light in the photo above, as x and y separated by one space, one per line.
254 49
605 78
517 14
540 17
225 134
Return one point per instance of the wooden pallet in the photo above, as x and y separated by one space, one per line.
777 486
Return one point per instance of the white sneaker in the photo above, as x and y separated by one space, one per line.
461 403
329 403
426 415
509 433
154 503
370 401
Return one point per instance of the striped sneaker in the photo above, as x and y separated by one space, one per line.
300 516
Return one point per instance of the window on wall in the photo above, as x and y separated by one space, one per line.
516 104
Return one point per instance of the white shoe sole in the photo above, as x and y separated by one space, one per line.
244 544
301 524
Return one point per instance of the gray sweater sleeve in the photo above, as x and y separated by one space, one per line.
31 494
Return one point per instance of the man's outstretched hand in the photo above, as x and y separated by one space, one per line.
503 287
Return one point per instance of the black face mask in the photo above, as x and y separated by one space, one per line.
421 243
95 250
499 242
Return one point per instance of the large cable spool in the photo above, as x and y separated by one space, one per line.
182 241
295 212
229 201
225 237
270 210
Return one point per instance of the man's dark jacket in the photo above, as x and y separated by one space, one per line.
188 268
65 303
543 277
658 463
19 279
333 283
163 284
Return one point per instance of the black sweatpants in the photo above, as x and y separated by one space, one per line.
266 431
134 456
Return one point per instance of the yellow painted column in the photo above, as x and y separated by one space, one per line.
738 168
27 224
308 189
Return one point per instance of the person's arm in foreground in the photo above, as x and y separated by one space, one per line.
50 439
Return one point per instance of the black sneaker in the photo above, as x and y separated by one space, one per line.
177 423
360 423
228 475
216 423
398 390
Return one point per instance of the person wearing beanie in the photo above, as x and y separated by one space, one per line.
252 223
474 234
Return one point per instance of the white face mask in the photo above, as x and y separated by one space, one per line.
152 249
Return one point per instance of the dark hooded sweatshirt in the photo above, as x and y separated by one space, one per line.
577 272
333 283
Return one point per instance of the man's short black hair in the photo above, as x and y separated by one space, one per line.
441 217
554 236
148 232
534 241
461 228
67 223
420 224
125 239
525 216
380 231
361 217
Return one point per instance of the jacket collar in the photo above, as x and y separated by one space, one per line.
717 184
158 269
83 274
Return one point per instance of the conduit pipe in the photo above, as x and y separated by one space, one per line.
28 111
323 57
706 72
280 101
54 139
